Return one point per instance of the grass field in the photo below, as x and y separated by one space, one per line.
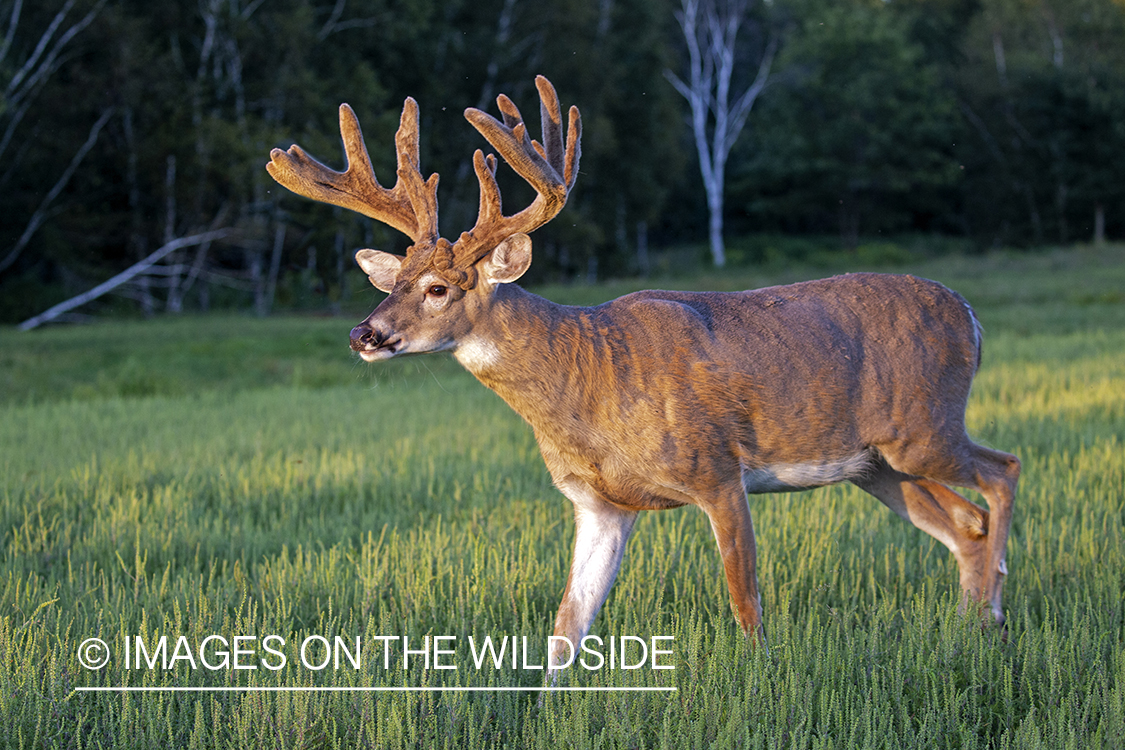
238 477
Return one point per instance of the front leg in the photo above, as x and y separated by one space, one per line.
733 527
601 530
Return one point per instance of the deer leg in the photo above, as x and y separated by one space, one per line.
734 532
601 531
943 514
995 475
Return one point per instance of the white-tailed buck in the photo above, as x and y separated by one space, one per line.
662 399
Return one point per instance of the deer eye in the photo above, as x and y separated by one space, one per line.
437 290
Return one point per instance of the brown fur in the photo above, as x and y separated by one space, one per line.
662 399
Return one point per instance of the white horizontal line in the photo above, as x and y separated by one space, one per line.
452 689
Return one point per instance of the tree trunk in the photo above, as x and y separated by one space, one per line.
644 263
1061 194
175 301
717 117
715 224
257 279
275 266
1099 224
342 265
848 218
138 243
1036 220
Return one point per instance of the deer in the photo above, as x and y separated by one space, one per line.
661 399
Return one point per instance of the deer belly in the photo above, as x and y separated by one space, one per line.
784 477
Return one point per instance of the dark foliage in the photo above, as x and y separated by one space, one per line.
996 121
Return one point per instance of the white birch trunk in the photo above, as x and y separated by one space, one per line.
710 30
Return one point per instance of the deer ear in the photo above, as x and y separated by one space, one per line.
381 268
509 260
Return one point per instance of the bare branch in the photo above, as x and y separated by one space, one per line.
121 278
1001 61
1056 38
15 92
12 24
329 25
698 88
14 120
44 40
211 21
249 9
355 23
744 104
19 90
40 214
334 24
677 83
989 140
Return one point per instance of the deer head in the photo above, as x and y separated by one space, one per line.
438 289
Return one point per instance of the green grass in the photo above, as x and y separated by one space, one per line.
233 476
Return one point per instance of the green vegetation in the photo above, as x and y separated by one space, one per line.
997 122
236 476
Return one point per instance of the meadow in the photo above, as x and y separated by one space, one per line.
224 475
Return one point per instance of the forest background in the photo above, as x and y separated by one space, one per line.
886 126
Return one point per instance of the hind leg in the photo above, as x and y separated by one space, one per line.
940 512
976 538
995 475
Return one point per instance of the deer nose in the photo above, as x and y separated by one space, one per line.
361 337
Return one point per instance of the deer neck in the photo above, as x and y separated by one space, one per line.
530 351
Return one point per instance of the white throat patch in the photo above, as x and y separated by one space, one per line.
477 355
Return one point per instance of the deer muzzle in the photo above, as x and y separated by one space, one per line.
365 339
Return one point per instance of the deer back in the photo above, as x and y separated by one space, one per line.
685 385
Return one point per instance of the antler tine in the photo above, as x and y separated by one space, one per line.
547 167
410 206
490 204
509 111
573 147
422 195
549 115
565 163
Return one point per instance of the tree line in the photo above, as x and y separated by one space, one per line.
127 125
